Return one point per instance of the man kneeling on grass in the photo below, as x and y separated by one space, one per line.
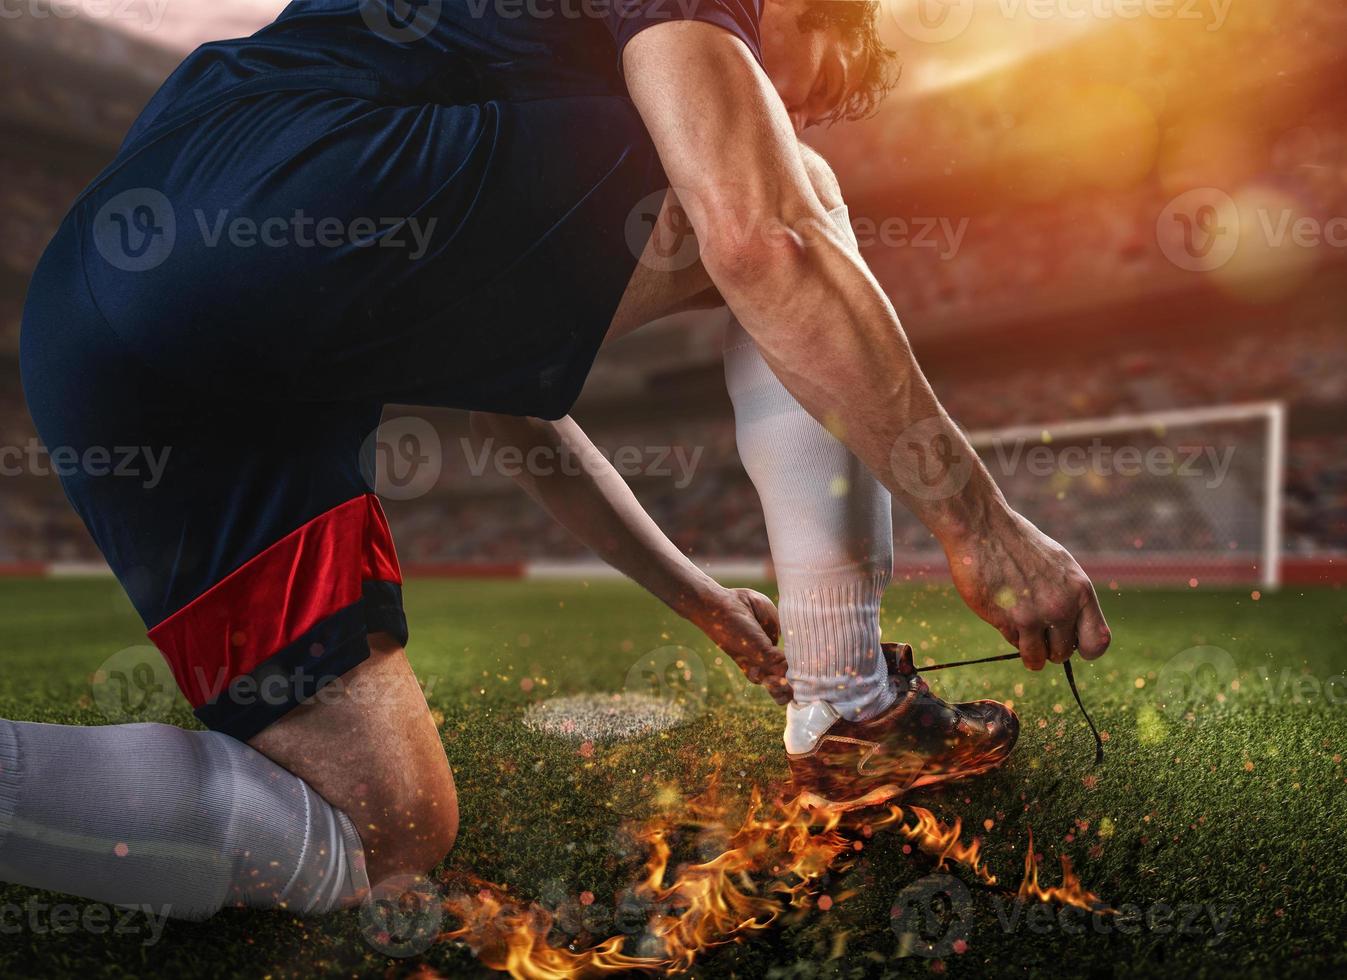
260 561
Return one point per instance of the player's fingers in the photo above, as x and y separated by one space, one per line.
1094 635
758 656
1061 640
1033 649
780 690
766 666
753 672
764 663
766 615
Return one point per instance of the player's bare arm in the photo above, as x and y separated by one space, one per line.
596 505
729 148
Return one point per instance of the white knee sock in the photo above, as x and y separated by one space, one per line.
830 529
181 822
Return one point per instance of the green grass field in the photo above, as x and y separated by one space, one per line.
1229 813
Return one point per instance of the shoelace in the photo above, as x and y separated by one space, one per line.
1070 680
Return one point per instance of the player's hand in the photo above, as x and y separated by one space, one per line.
1030 588
744 624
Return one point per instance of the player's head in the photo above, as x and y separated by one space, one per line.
825 58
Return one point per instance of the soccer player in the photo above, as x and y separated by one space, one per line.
371 202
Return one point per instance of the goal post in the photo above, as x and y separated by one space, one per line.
1184 497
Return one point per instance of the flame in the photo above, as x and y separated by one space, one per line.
775 855
1069 892
945 842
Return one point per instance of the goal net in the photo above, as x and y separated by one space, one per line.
1189 497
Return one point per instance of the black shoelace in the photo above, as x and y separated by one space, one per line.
1070 680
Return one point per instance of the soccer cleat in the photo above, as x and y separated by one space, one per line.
919 741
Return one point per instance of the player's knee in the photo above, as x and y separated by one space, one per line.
371 749
422 806
822 178
410 832
438 807
432 827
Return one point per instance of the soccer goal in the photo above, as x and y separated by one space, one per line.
1190 497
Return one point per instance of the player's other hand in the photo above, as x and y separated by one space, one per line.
1030 588
744 624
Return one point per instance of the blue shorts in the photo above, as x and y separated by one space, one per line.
242 292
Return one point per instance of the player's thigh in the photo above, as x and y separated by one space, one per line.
368 744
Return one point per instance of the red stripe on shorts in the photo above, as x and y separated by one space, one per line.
276 597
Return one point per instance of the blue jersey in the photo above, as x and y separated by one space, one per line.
446 51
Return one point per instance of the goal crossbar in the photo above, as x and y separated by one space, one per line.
1272 415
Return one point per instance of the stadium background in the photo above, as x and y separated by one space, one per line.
1061 142
1009 197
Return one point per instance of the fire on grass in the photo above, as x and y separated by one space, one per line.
1069 892
770 869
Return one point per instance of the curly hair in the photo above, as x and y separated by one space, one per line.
857 20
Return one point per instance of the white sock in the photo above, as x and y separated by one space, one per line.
181 822
830 529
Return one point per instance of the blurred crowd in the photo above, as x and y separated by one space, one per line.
1151 515
32 201
1305 365
1094 247
78 75
718 517
1315 515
